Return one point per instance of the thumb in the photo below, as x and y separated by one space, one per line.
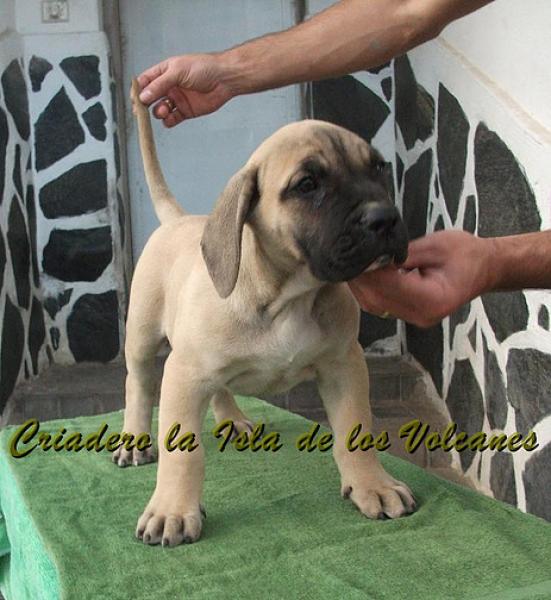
158 86
422 254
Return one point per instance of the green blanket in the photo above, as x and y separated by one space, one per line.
276 528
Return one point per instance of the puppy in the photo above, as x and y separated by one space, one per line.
251 300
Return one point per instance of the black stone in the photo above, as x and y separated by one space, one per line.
348 103
502 478
122 218
389 175
416 195
543 317
506 202
507 313
528 385
114 108
37 333
20 250
379 68
399 171
16 175
80 190
31 219
458 317
537 483
386 85
11 353
427 346
29 162
436 187
4 137
466 406
95 118
372 328
78 254
453 133
53 304
469 218
496 396
439 225
38 69
117 153
2 259
57 131
414 105
84 73
472 336
15 97
55 336
93 327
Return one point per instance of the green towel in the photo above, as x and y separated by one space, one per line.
276 528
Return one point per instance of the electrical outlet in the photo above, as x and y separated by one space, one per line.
55 11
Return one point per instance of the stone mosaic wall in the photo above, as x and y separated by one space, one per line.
65 222
491 360
23 332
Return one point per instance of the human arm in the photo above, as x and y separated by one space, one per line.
348 36
449 268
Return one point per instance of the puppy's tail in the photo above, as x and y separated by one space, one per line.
166 206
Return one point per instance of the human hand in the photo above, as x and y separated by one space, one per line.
443 271
193 83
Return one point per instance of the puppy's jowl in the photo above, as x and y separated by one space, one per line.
252 300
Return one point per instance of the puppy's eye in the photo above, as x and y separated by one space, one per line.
306 185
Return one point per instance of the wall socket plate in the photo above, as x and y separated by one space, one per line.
55 11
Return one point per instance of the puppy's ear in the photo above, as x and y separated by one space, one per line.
221 241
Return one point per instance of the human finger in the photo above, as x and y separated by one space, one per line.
174 118
150 74
422 253
159 87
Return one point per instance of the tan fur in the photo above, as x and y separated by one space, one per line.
243 314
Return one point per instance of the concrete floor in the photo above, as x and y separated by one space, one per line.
397 391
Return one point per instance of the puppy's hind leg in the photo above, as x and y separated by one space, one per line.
143 338
225 408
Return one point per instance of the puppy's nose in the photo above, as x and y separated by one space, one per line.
382 220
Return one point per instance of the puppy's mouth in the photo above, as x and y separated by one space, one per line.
379 263
383 260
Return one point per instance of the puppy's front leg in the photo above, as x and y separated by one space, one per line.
174 514
344 388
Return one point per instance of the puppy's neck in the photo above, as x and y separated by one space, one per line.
269 284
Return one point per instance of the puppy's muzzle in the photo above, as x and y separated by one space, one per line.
386 230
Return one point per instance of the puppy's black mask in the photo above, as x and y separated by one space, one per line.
349 221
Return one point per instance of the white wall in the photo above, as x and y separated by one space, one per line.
83 15
199 156
7 15
510 42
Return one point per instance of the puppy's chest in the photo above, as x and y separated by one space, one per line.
276 358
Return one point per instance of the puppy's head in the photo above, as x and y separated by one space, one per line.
313 193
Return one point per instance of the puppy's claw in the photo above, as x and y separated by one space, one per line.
170 530
125 458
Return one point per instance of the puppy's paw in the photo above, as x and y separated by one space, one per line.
161 525
125 458
380 497
242 426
